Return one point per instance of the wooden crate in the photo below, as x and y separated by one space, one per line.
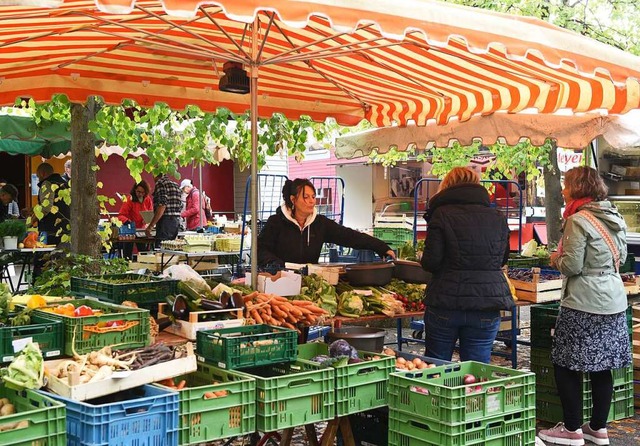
632 288
538 291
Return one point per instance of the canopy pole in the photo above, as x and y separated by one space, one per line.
254 154
201 204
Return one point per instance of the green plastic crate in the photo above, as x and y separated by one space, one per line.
543 368
46 331
292 394
503 430
360 386
394 237
44 420
439 393
152 291
518 261
247 346
202 420
549 407
89 333
543 323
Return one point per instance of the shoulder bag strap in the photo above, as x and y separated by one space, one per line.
606 236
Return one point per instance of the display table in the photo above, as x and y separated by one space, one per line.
193 258
24 258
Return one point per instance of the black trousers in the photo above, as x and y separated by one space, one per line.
167 228
569 384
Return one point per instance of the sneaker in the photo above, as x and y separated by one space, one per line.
560 435
599 437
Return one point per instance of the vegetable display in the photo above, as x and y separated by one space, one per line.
527 275
101 364
408 364
270 309
317 290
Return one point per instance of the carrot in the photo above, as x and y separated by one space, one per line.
256 317
304 311
302 303
295 311
278 312
318 310
181 384
288 325
277 298
249 297
292 319
209 395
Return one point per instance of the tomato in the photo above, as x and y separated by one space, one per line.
83 310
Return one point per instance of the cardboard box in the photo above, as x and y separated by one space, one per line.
284 283
618 170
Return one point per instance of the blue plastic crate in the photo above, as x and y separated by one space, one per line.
127 229
144 416
317 332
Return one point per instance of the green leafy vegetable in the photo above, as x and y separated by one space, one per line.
350 304
26 371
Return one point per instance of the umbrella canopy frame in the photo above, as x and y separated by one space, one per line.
379 61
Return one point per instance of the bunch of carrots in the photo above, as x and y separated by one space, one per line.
276 310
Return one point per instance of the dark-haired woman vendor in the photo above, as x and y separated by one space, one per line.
297 232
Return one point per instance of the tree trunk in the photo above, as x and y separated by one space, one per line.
84 201
553 198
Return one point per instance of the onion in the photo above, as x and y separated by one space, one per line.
469 379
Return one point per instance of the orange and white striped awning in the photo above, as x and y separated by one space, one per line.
386 61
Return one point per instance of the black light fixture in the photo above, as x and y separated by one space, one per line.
235 79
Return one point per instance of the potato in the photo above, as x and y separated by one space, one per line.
4 401
7 409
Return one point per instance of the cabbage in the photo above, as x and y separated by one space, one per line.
350 304
342 348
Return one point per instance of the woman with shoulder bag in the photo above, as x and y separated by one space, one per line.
591 334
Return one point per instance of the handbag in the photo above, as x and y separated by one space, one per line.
606 236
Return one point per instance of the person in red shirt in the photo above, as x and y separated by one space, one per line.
194 210
140 200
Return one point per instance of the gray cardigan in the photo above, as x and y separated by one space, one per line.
591 283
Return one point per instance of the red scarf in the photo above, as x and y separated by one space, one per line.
573 206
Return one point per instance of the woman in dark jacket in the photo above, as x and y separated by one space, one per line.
297 232
466 246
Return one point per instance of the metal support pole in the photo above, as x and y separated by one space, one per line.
254 155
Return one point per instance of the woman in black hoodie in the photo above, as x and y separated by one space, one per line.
467 244
297 232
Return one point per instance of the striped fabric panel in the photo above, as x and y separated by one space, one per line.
320 58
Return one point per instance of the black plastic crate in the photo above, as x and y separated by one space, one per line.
370 428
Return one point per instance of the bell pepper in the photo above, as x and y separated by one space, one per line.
83 310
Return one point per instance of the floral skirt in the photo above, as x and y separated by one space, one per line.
590 342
